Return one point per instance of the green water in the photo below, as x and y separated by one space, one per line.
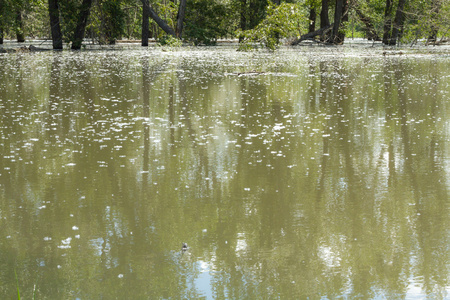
306 173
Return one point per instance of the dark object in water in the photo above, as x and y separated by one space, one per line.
184 247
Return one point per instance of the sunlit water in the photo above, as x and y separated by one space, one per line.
304 173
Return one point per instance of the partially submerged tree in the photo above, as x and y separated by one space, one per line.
145 32
55 27
2 21
20 32
180 19
161 23
81 24
150 12
340 17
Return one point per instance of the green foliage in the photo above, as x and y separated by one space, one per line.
261 22
206 21
169 41
107 21
68 18
426 19
115 19
281 21
168 12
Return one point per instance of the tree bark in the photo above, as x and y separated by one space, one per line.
324 19
337 21
387 23
312 19
81 24
161 23
53 11
344 20
145 26
311 35
1 22
432 37
398 22
243 17
19 28
180 18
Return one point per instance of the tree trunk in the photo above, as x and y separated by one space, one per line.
436 6
387 23
337 21
344 20
324 20
81 24
180 18
311 35
161 23
398 22
53 11
1 22
243 17
19 28
145 26
312 19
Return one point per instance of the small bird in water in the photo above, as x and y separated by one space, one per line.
184 247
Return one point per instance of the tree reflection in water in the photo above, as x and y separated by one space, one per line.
320 176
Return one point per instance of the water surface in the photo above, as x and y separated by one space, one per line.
297 174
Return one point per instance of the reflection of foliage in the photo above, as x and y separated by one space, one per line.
206 21
281 182
280 22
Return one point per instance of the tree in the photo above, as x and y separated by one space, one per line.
398 22
161 23
434 28
391 32
340 16
369 26
2 22
145 33
180 18
324 20
280 22
112 20
387 22
207 20
83 16
20 34
312 19
55 28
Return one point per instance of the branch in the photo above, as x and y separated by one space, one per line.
311 35
161 23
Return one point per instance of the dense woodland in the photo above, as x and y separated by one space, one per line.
203 22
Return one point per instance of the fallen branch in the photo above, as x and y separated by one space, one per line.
311 35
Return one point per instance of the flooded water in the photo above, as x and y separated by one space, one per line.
299 174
